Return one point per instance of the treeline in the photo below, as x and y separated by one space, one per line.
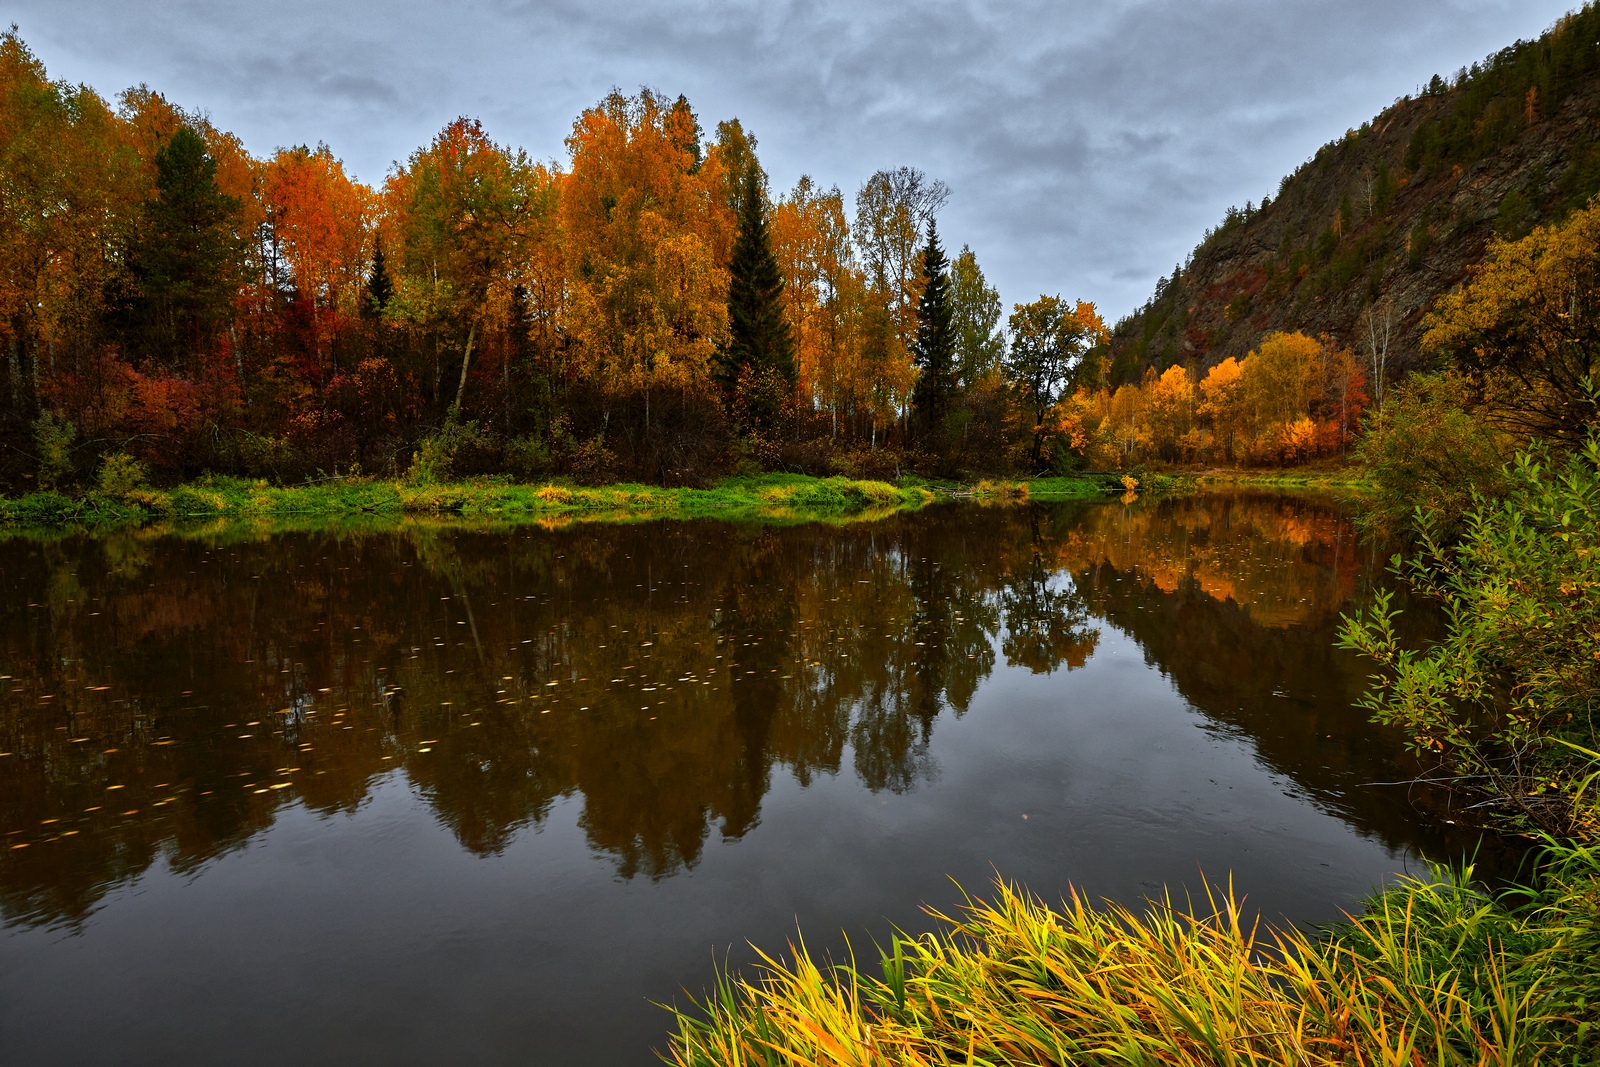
1294 399
648 308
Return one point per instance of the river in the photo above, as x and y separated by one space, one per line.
442 795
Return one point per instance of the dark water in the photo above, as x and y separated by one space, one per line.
480 797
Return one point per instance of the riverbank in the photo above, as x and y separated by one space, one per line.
763 498
1433 971
770 497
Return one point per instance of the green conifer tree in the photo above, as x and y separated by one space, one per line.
759 361
380 287
187 256
934 352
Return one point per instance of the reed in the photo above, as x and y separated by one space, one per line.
1433 974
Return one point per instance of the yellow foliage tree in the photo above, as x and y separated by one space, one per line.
1527 329
811 240
648 235
1220 403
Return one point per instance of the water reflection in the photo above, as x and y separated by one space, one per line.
166 696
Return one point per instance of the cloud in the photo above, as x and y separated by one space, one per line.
1088 144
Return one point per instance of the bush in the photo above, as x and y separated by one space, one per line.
528 457
1429 453
121 475
53 436
459 448
1506 700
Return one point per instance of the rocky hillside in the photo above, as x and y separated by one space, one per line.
1384 219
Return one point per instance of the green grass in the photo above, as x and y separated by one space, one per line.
1074 488
771 497
1433 973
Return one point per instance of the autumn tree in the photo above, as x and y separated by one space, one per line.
823 286
648 238
457 209
893 211
1047 341
1278 383
1526 329
1170 405
70 183
934 353
320 224
1221 404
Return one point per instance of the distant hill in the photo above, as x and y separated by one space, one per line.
1391 214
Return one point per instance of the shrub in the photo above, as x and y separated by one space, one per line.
1506 699
555 494
121 475
1429 453
458 448
528 457
53 436
431 462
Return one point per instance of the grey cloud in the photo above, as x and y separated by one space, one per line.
1088 143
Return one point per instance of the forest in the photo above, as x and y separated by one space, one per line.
648 308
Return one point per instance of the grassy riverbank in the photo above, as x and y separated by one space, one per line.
770 497
763 498
1433 972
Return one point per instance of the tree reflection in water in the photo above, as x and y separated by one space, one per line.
166 695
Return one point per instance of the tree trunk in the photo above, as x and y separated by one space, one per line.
466 358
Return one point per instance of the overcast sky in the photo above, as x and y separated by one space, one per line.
1088 144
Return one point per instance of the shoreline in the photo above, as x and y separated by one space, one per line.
496 500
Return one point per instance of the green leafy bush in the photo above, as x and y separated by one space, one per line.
528 457
1507 700
1429 454
121 475
53 436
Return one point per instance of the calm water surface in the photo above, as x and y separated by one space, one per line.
438 796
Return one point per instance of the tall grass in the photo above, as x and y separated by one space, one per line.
1433 974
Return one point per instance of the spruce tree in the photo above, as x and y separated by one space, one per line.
934 351
380 288
759 358
187 255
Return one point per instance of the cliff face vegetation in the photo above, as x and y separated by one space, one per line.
1365 235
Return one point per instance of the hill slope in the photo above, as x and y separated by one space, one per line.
1392 214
